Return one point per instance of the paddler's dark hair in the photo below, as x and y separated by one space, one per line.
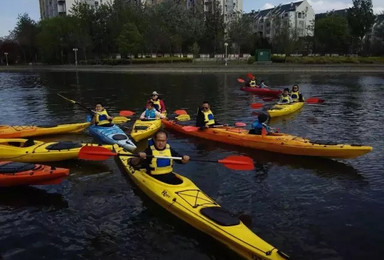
161 131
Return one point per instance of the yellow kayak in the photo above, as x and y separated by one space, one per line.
284 109
7 131
189 203
28 150
143 129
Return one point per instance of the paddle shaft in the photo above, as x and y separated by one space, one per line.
80 105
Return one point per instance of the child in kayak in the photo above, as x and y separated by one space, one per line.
157 102
151 113
262 85
259 126
285 98
101 116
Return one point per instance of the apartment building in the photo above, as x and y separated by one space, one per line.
52 8
297 17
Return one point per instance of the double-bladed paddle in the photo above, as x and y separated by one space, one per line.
234 162
115 120
312 100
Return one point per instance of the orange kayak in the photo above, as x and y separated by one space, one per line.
277 142
16 174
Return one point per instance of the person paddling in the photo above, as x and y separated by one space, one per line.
157 102
101 117
296 94
151 113
159 168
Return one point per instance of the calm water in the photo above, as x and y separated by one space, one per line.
308 207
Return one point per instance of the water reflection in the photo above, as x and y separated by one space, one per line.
28 196
304 206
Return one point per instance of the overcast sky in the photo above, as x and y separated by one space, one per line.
10 9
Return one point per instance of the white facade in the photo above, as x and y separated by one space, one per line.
229 8
298 17
52 8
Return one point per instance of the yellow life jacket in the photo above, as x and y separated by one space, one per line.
101 118
161 166
156 104
208 118
252 83
295 95
285 99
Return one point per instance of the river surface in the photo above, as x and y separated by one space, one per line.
310 208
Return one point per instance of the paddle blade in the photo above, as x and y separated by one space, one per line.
240 124
240 80
120 120
70 100
314 100
190 128
183 117
266 99
256 105
126 113
238 162
250 76
95 153
180 112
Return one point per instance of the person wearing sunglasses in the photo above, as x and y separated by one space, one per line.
157 102
295 94
205 117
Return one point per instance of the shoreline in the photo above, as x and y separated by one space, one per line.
202 68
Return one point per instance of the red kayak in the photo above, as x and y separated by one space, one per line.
262 91
16 173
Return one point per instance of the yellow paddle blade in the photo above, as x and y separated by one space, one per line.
120 120
183 117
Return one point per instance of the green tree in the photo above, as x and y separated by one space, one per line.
240 33
360 19
331 34
130 40
57 37
213 38
25 34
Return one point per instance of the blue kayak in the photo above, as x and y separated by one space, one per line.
112 135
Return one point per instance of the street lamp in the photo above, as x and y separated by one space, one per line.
6 58
75 50
226 53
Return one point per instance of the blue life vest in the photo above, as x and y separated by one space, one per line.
150 114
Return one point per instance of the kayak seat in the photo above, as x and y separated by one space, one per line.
141 127
220 215
29 143
169 178
13 167
119 137
63 146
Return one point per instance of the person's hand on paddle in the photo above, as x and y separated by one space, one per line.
185 159
143 155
